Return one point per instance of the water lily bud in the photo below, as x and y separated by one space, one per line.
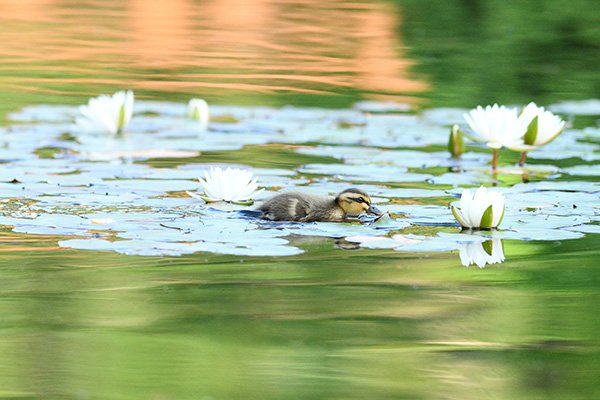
232 185
481 254
456 142
483 209
197 109
106 114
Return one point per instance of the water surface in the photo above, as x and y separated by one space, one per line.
333 319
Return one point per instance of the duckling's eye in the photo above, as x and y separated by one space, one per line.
359 200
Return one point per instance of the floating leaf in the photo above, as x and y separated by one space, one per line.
131 189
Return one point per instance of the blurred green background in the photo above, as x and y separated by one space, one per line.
326 54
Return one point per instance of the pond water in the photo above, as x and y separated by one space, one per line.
116 284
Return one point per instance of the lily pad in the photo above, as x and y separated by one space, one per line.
107 193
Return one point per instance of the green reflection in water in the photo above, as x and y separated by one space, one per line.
482 52
328 324
266 156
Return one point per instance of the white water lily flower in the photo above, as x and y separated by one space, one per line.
542 126
232 185
497 126
483 209
106 114
481 254
197 109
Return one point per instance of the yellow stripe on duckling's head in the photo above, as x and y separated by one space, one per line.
355 202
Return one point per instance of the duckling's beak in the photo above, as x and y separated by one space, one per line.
374 210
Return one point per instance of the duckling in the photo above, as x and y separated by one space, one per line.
302 207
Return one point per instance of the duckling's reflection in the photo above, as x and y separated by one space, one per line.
482 253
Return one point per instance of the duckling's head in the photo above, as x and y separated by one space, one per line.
355 202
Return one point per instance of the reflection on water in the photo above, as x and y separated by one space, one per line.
357 325
259 47
489 51
331 323
482 253
303 51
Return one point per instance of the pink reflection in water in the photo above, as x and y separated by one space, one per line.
260 46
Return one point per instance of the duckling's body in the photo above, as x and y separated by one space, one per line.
303 207
297 206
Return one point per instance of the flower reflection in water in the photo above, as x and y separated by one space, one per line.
482 253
